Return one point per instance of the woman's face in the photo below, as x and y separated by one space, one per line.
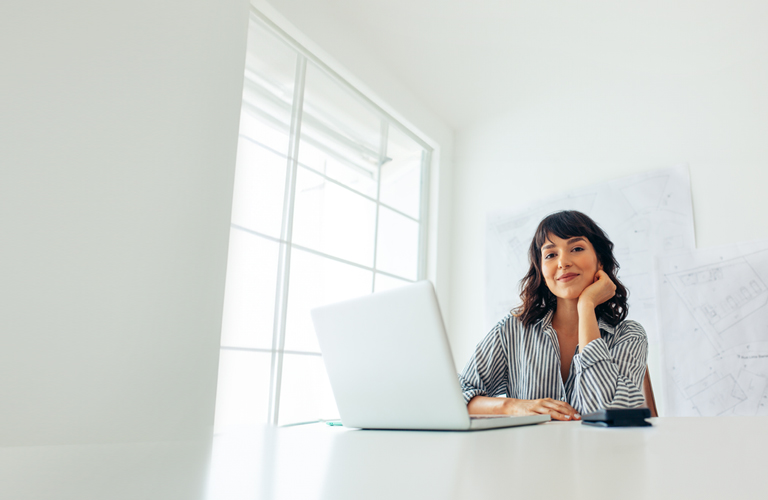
569 266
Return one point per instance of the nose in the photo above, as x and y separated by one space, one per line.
564 261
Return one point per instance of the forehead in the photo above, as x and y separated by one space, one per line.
553 240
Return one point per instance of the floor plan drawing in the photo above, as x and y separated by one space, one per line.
713 318
720 296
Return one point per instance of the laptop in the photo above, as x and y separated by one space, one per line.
390 364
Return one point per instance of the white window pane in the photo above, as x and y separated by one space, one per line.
305 394
401 176
249 296
335 166
342 133
316 281
333 220
257 201
242 396
384 282
270 72
254 126
398 244
272 60
337 112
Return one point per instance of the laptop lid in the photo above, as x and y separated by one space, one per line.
389 361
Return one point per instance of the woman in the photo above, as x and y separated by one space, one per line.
567 349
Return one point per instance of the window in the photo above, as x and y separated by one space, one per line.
329 204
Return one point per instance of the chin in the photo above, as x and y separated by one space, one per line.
570 295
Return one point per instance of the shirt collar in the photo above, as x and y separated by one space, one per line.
546 321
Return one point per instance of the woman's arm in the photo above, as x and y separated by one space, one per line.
487 373
601 290
558 410
486 377
612 377
607 377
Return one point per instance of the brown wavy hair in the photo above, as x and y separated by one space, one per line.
536 297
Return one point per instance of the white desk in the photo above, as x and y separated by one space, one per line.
677 458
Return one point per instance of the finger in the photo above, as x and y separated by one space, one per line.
555 415
602 276
565 409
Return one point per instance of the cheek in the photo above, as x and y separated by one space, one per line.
590 263
548 270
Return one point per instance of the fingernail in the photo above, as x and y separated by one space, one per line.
577 416
567 417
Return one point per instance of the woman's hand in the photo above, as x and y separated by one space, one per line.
601 290
558 410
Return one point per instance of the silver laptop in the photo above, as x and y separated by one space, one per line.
390 364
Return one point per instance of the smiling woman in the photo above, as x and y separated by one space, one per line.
568 348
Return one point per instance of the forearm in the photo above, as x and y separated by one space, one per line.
557 410
588 327
483 405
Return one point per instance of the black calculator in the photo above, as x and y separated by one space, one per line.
632 417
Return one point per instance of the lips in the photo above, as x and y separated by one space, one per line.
567 277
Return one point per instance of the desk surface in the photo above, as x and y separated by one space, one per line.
676 458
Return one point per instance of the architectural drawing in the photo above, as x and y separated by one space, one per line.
713 318
720 296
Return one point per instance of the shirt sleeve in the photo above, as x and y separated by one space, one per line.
611 378
486 372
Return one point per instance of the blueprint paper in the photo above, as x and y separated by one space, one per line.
643 215
714 330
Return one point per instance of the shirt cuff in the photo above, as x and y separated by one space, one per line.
593 353
468 395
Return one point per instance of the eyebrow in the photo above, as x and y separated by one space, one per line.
572 240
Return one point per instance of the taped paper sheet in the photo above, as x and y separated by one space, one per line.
714 330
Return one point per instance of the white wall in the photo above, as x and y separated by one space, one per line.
600 90
314 25
118 136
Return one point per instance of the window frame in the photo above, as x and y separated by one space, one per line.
286 245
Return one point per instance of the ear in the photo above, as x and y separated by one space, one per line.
599 266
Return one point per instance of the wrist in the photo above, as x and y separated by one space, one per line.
509 406
585 305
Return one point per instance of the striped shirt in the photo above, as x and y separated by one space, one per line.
524 363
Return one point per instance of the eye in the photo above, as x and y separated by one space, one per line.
577 249
549 255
